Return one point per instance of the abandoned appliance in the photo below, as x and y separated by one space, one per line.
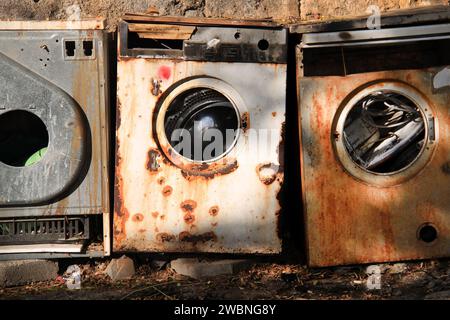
201 109
375 142
53 139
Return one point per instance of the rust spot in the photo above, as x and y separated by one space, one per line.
208 171
214 211
188 205
152 163
162 217
189 218
161 180
141 230
194 238
138 217
164 72
274 114
167 191
245 121
446 168
214 224
267 173
155 87
165 237
155 214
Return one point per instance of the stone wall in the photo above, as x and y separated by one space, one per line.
277 9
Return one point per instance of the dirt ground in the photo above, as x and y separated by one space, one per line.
264 279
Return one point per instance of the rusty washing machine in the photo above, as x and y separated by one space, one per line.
54 199
375 139
201 109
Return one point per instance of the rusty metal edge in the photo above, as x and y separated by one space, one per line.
299 75
403 17
88 24
194 21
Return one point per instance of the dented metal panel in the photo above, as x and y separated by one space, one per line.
60 76
164 202
356 216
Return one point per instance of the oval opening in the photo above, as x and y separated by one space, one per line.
23 138
384 132
201 124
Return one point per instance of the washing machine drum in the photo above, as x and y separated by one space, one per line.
198 118
44 138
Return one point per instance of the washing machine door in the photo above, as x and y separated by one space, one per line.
44 138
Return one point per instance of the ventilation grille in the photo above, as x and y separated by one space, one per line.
39 230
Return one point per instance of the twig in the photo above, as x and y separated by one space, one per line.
148 287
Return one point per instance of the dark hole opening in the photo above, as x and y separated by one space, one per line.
70 48
23 138
237 35
384 132
87 48
135 42
263 44
201 124
428 233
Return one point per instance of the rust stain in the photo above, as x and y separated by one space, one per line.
208 171
155 214
189 218
267 173
138 217
152 163
245 121
167 191
161 180
186 236
142 230
214 224
214 211
188 206
274 114
165 237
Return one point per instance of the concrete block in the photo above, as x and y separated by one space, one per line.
14 273
195 268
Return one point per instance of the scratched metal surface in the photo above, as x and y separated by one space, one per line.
356 217
78 135
170 206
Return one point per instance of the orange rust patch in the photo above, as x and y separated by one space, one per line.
189 218
161 180
165 237
155 214
141 230
245 121
167 191
194 238
138 217
162 217
274 114
188 205
267 173
152 162
214 211
209 171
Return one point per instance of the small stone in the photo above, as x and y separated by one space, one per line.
120 269
196 269
14 273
